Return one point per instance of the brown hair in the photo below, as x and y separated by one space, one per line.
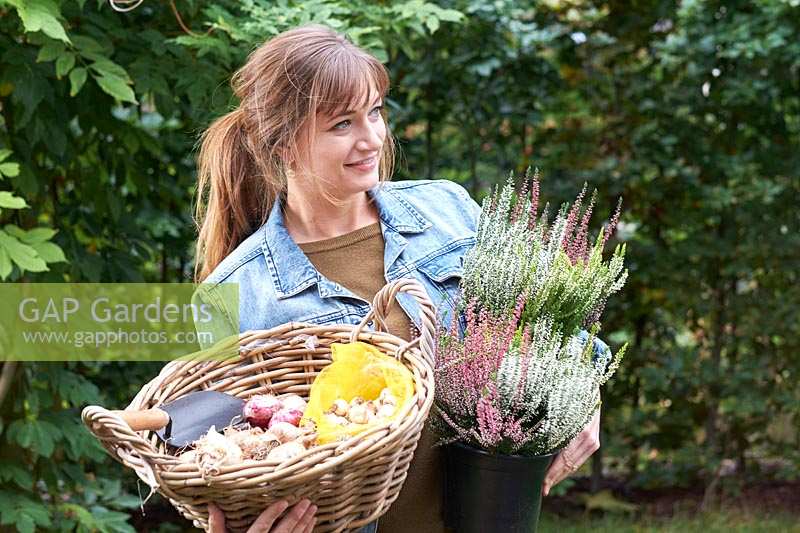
242 163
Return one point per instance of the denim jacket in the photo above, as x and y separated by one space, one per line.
427 226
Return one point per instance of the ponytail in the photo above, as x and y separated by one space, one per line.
233 196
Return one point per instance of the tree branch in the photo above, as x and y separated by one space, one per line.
6 379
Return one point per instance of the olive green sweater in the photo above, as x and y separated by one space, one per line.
355 261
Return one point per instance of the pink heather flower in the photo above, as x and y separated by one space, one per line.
534 200
572 218
490 422
612 225
466 368
579 247
520 203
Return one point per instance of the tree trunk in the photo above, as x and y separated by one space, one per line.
163 263
714 389
429 145
473 169
7 379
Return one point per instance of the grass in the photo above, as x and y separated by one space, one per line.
725 521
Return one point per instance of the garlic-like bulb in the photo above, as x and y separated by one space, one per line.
358 414
386 397
340 407
308 440
336 420
357 400
372 407
285 432
286 451
213 451
188 456
386 410
293 401
255 443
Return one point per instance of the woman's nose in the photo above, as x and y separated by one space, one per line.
372 137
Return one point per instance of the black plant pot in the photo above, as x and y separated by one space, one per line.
485 493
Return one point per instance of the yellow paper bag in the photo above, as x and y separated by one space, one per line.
358 369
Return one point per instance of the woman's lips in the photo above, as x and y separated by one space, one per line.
364 164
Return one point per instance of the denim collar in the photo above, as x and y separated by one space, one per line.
290 269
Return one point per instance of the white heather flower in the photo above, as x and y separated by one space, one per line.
529 285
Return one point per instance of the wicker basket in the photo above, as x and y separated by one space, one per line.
351 482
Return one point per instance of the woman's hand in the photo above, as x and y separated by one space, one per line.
574 455
299 520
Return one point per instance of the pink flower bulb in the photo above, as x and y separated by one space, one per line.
260 409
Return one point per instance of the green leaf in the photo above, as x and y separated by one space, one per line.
9 169
117 88
22 511
77 77
14 472
5 264
432 23
76 389
37 435
23 255
449 15
41 15
50 51
82 515
37 235
79 443
112 521
105 67
87 45
8 200
64 63
4 153
15 231
50 252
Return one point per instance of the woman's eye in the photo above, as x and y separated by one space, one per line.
376 111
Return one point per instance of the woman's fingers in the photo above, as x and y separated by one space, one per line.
297 520
265 520
556 473
300 519
308 520
574 454
216 520
311 525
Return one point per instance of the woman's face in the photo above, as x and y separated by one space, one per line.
345 151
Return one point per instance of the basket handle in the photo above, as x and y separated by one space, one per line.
386 297
123 444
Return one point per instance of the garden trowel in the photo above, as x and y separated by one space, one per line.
183 421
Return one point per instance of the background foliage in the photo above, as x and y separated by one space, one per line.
689 110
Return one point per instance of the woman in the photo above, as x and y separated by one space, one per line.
295 207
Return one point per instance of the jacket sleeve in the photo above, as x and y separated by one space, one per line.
217 320
601 353
468 205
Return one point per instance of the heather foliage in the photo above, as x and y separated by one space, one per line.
520 379
516 252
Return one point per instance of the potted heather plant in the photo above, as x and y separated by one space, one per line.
518 374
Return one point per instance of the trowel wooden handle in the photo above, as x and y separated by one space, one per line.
152 419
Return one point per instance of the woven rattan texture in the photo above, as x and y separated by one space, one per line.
352 482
